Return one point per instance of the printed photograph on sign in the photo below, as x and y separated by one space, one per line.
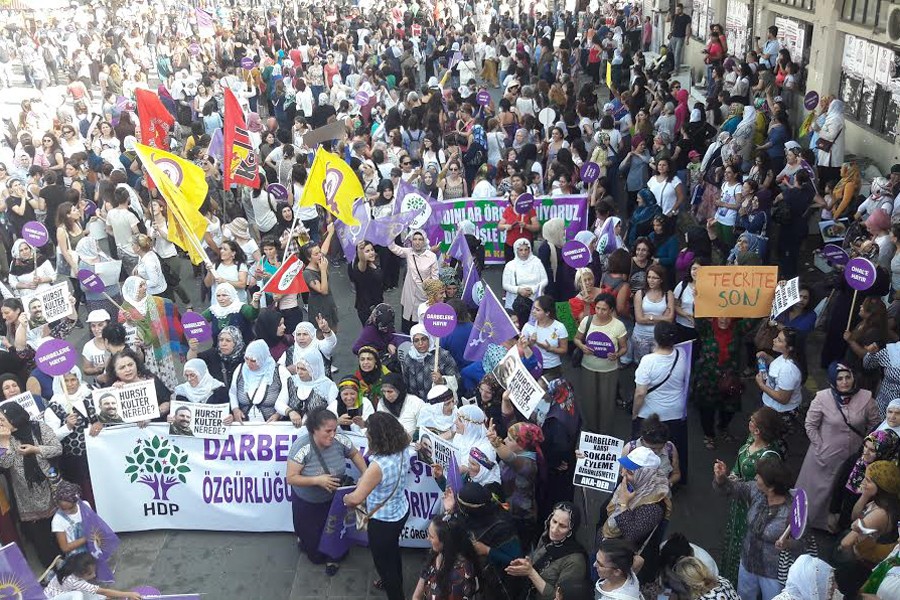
433 449
833 231
525 393
47 306
194 419
597 466
131 403
26 401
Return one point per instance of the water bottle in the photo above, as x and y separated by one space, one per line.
53 477
761 365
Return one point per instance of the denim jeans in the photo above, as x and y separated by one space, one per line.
750 586
676 47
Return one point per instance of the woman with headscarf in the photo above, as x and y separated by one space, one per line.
200 387
561 427
28 445
522 461
809 578
223 359
647 208
892 417
846 190
89 256
309 341
434 294
682 111
352 408
735 114
421 264
26 276
160 335
69 413
378 332
472 434
309 388
370 374
871 536
878 445
560 275
744 135
524 278
418 364
558 557
830 142
269 326
404 407
258 389
836 424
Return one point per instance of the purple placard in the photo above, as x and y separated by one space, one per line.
196 327
538 369
194 49
247 63
798 513
835 254
859 273
277 191
35 233
362 97
90 209
576 255
600 344
56 357
524 203
590 171
91 281
439 320
811 100
483 97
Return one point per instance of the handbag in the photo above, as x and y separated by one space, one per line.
346 480
363 517
825 145
521 305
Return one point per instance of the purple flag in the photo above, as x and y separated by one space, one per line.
382 231
217 146
454 480
492 325
16 578
340 532
350 235
102 541
606 241
427 209
686 351
173 597
473 289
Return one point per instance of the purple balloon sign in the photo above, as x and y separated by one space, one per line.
91 281
277 191
247 63
524 203
439 320
196 327
600 344
576 255
835 254
35 233
590 171
798 514
811 100
362 97
483 97
194 49
860 273
56 357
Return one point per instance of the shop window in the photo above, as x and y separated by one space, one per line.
702 16
809 5
862 12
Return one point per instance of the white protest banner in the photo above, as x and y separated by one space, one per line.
195 419
26 401
787 294
145 479
599 468
47 306
433 449
524 391
131 403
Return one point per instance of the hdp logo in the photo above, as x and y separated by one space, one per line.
160 465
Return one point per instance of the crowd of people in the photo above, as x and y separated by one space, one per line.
740 178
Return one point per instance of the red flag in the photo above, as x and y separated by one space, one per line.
156 121
241 162
288 279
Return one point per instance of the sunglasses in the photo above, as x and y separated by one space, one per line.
453 169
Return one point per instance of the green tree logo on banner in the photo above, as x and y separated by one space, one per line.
158 464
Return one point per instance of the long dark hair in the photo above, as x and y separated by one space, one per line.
456 544
77 565
26 432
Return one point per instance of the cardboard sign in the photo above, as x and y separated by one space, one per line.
194 419
735 291
786 296
196 327
599 468
590 171
524 391
435 450
131 403
576 255
47 306
26 401
325 133
833 231
439 320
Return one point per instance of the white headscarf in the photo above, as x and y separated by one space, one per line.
88 251
723 138
129 293
204 389
809 579
265 365
419 329
219 311
17 248
474 419
586 237
524 242
319 381
311 350
466 227
895 403
747 126
59 394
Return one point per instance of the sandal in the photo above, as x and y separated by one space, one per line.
378 584
709 442
331 569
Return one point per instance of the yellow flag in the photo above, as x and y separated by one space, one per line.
183 185
609 74
334 185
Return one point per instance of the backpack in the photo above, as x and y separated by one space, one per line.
414 145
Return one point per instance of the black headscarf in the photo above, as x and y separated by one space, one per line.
283 224
395 380
569 545
526 156
383 185
26 432
266 326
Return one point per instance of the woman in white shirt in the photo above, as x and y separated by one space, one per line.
149 268
405 407
263 209
548 334
685 293
523 276
728 204
780 384
667 188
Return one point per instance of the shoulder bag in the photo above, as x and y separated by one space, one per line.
362 517
345 479
656 386
825 145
